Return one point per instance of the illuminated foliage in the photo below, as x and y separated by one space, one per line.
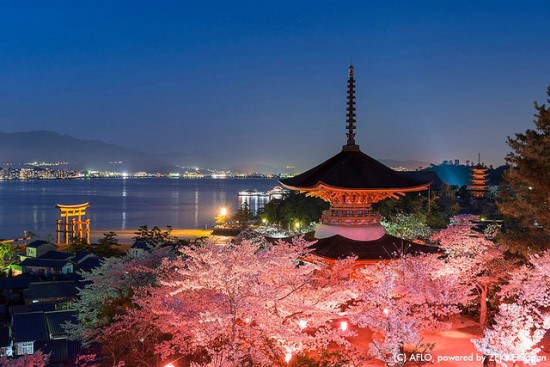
107 297
6 257
294 208
401 299
38 359
215 305
524 317
473 259
514 337
408 226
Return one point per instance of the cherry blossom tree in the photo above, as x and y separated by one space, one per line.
521 324
401 299
514 336
472 258
253 303
530 284
38 359
108 297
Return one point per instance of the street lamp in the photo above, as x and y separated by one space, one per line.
343 325
221 218
288 356
171 364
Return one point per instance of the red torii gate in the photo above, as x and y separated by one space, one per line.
72 225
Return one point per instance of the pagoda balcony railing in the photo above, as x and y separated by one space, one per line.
350 218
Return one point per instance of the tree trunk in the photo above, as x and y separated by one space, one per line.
483 306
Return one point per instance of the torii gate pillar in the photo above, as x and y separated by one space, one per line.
72 225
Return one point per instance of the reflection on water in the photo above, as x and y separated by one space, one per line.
253 202
123 226
121 203
196 208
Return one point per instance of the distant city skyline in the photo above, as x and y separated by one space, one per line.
266 83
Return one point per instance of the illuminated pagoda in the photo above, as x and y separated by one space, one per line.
479 179
352 182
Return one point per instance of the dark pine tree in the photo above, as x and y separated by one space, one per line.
525 199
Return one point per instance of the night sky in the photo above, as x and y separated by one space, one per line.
266 83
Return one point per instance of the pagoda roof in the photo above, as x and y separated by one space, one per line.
353 169
436 183
385 248
480 166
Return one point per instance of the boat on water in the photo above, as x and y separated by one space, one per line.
251 192
275 193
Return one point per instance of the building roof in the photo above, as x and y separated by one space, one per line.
353 169
81 255
384 248
88 264
33 307
57 289
43 263
56 319
56 255
37 243
30 326
18 282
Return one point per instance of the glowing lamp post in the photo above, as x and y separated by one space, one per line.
288 357
343 325
171 364
222 216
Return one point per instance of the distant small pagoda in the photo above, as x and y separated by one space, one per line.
479 179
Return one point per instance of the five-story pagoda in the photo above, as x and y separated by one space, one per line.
352 181
479 178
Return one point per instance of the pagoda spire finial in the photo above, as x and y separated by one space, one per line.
350 120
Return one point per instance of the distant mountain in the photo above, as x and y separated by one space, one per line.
408 164
194 159
49 146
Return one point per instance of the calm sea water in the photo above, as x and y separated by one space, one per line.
121 203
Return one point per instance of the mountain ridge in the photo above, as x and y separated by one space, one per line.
85 154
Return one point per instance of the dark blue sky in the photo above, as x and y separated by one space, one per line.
265 81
